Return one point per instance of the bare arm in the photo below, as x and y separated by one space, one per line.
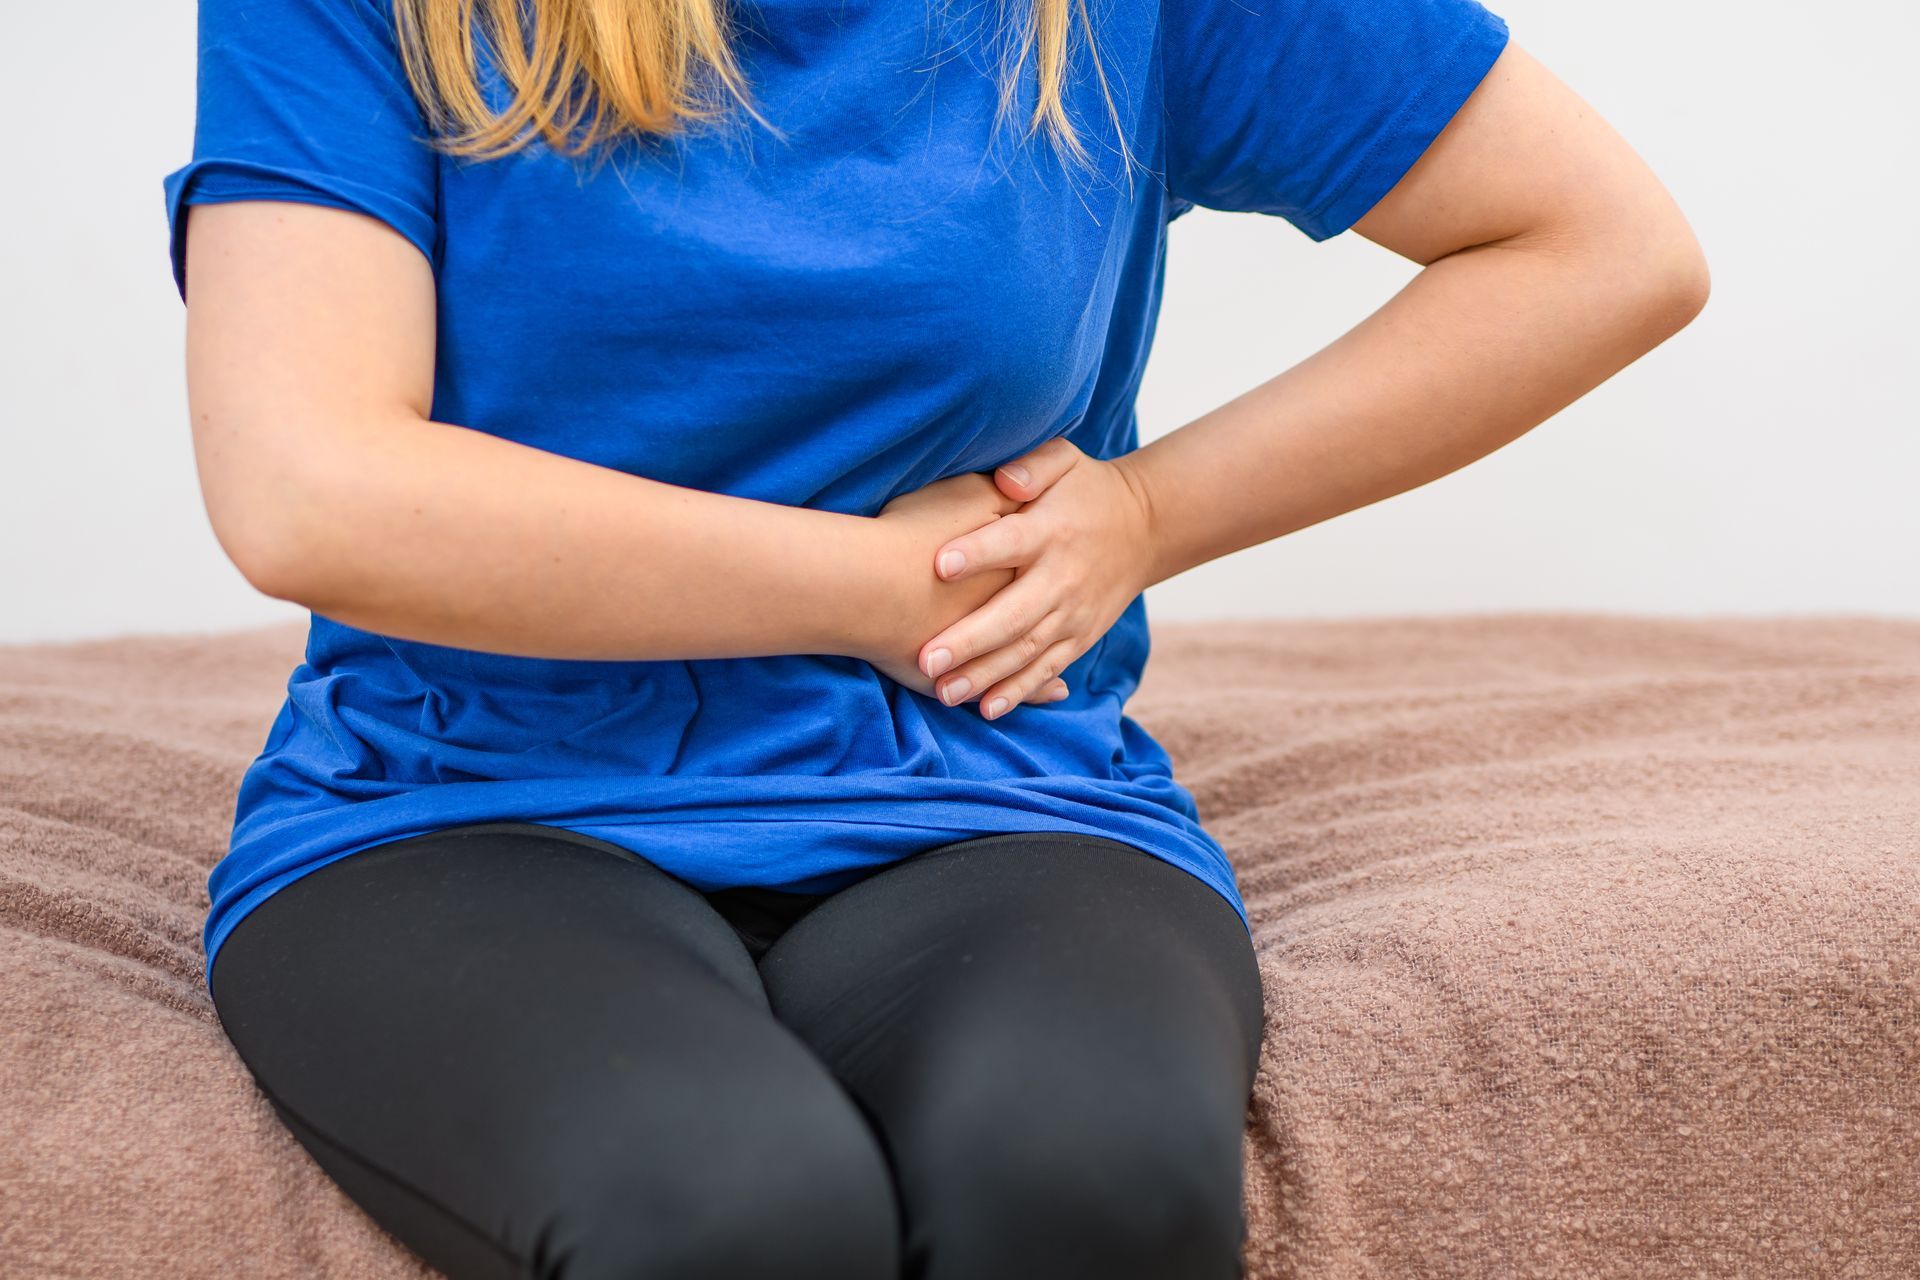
1553 258
310 359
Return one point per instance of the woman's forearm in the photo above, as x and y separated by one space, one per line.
1478 348
434 532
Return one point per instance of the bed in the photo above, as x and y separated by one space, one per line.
1591 947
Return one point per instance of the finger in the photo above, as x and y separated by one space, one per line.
1007 543
1054 690
968 681
1008 694
1009 614
1037 470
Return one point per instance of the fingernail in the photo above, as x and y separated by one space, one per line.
952 562
955 691
1019 473
939 660
995 707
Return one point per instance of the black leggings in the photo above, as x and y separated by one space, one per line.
527 1052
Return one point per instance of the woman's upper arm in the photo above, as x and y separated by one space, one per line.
1525 160
1417 123
1311 109
304 318
311 205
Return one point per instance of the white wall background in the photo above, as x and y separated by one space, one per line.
1763 461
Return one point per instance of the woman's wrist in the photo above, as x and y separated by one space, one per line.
1137 469
894 601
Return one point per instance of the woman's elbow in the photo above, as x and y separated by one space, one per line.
256 511
1663 269
268 554
1679 283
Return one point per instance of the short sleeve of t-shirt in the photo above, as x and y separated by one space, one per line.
1312 109
305 100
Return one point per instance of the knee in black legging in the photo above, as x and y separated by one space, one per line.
1151 1191
826 1215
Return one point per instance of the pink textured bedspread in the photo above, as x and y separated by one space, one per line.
1591 947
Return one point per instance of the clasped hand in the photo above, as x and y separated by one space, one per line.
1029 567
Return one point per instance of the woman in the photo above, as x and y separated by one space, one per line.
704 837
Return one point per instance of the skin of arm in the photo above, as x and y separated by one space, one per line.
310 363
1552 259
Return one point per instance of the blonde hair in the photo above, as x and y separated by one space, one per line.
650 67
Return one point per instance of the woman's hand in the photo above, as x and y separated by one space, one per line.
914 524
1080 550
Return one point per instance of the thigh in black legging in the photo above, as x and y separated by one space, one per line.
1056 1038
525 1052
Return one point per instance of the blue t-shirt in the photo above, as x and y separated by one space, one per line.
891 294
